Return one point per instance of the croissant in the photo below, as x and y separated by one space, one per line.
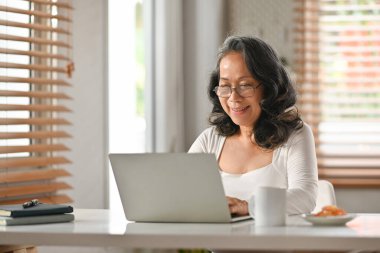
331 210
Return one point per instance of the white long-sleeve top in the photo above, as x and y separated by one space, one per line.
293 167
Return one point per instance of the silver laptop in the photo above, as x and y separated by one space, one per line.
176 187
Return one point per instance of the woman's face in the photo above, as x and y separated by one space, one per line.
244 111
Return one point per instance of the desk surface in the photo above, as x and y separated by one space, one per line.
103 228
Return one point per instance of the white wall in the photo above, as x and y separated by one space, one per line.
271 20
203 34
89 92
89 119
358 200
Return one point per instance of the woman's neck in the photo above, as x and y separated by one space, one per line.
246 134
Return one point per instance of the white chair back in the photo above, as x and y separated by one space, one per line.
326 195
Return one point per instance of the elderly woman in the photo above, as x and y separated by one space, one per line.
256 133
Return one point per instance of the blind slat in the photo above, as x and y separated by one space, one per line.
40 14
34 121
37 27
31 53
358 59
331 100
310 80
33 148
311 20
302 30
42 81
33 175
362 154
353 81
34 40
316 119
32 67
358 112
351 39
308 50
6 192
349 18
8 163
315 9
349 162
349 172
51 199
34 135
354 182
316 90
358 70
36 108
49 2
34 94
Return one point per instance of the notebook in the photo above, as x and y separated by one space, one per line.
171 187
39 219
41 209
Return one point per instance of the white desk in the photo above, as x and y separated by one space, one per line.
102 228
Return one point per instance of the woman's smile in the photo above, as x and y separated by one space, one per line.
239 110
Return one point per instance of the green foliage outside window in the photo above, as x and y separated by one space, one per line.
140 80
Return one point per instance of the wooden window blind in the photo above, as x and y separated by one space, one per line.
338 80
35 68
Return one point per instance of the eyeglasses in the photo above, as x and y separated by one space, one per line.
33 202
243 90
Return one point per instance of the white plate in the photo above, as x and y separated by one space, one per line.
329 220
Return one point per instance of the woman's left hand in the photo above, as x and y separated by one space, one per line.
237 206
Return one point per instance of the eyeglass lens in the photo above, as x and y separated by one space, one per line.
242 90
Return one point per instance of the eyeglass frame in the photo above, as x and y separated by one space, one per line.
31 203
235 88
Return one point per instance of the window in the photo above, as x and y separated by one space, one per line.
35 65
338 77
126 83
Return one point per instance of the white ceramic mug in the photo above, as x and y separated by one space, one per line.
270 206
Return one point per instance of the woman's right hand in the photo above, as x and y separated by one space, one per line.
237 206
